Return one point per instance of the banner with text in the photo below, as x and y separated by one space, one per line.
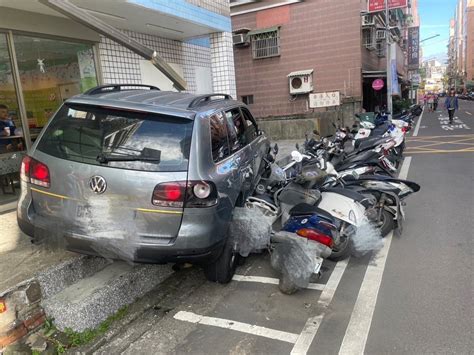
413 47
379 5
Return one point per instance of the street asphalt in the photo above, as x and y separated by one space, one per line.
414 297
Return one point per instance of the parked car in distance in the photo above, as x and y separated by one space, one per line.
144 174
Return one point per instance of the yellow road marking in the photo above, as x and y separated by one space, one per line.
445 136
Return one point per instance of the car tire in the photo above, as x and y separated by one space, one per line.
222 269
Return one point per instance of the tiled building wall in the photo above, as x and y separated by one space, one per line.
222 59
220 7
119 64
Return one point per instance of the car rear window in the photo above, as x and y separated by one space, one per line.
150 142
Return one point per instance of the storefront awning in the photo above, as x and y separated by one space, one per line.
376 74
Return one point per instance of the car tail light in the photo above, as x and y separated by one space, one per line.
185 194
35 172
312 234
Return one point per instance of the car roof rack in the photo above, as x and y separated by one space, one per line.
117 87
204 98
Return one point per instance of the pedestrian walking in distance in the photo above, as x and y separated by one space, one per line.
430 102
451 104
435 102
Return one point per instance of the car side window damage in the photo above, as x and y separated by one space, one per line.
236 126
251 129
219 140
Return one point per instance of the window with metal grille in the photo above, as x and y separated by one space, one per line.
266 44
247 99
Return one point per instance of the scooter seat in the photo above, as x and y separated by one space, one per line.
350 194
304 209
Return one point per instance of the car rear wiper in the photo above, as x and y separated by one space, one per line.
146 154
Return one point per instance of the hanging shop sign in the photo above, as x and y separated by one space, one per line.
413 47
379 5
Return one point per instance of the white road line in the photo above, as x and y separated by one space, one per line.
415 132
358 328
404 170
312 325
237 326
272 281
470 114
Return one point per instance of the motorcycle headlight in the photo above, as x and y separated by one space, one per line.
352 216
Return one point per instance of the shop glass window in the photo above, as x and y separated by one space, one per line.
51 71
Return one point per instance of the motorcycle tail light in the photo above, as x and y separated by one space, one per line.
317 236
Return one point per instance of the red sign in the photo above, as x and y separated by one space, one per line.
377 84
379 5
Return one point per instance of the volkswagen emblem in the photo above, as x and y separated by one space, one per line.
98 184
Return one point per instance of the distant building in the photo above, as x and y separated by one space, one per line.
461 46
286 50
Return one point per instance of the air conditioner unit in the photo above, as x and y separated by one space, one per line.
240 39
368 20
380 35
300 82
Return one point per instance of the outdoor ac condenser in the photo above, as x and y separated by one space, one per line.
301 82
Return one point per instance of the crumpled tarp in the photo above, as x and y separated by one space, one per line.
295 258
251 230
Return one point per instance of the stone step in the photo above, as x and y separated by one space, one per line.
88 301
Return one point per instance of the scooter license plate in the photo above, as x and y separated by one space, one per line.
318 262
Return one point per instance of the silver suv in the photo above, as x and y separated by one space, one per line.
132 172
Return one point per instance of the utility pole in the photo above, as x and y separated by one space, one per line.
389 59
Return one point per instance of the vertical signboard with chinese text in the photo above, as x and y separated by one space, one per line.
413 47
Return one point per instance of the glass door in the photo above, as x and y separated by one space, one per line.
12 143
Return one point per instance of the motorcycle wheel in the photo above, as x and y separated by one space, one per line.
342 251
388 224
286 286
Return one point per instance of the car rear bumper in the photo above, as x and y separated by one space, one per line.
202 235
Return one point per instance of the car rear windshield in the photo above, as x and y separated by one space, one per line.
118 138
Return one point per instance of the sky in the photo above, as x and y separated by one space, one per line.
435 16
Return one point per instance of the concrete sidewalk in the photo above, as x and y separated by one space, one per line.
20 260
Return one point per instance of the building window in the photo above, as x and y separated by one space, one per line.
265 43
248 99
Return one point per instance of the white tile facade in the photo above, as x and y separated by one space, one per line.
220 7
222 63
119 64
